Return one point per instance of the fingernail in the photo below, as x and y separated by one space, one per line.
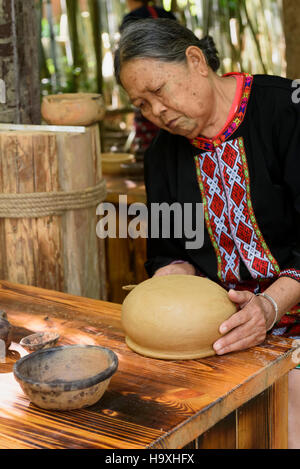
217 347
223 329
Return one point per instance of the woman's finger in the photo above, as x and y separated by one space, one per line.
241 344
240 297
241 317
249 329
236 320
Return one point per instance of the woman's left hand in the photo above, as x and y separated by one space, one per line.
248 326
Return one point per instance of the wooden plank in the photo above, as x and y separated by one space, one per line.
125 262
220 436
278 414
119 262
32 245
43 128
80 243
120 185
3 259
49 263
253 423
125 256
96 155
17 167
150 403
57 252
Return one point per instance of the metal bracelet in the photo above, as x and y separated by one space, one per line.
268 297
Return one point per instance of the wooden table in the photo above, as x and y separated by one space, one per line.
125 257
134 189
233 401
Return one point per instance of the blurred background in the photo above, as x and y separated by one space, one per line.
77 39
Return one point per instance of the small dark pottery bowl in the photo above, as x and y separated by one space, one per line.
66 377
5 331
38 341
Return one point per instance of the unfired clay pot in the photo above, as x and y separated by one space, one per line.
175 316
73 108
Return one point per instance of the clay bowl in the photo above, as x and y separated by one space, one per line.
112 162
38 341
175 317
73 108
66 377
5 329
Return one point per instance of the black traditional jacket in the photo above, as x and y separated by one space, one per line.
247 177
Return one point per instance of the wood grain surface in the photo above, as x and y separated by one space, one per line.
149 403
57 252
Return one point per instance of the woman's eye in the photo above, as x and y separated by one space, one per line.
158 90
139 105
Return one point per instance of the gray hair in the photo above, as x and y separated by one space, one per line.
161 39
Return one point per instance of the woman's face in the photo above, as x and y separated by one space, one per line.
177 97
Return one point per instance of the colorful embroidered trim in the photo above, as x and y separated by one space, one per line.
224 183
207 218
276 270
293 273
289 324
209 144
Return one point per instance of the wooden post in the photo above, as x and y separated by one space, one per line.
261 423
291 16
278 395
59 252
19 68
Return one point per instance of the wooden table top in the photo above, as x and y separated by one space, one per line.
122 185
149 403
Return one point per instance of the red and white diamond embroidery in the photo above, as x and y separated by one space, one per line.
218 215
225 188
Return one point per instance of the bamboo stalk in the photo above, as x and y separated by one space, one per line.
78 59
95 15
251 26
56 77
44 72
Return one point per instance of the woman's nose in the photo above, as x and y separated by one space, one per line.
157 108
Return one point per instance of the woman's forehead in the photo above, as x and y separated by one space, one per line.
145 72
147 67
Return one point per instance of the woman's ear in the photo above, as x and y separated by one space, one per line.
196 60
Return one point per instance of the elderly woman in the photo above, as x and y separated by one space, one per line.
231 142
145 130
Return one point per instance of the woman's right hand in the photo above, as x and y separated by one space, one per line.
176 269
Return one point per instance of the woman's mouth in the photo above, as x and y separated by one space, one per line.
172 123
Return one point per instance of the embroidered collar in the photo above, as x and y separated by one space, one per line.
210 144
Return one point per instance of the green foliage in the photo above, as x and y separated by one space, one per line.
248 34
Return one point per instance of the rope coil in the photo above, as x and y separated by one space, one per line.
43 204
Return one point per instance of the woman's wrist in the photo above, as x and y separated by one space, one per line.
285 292
270 310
